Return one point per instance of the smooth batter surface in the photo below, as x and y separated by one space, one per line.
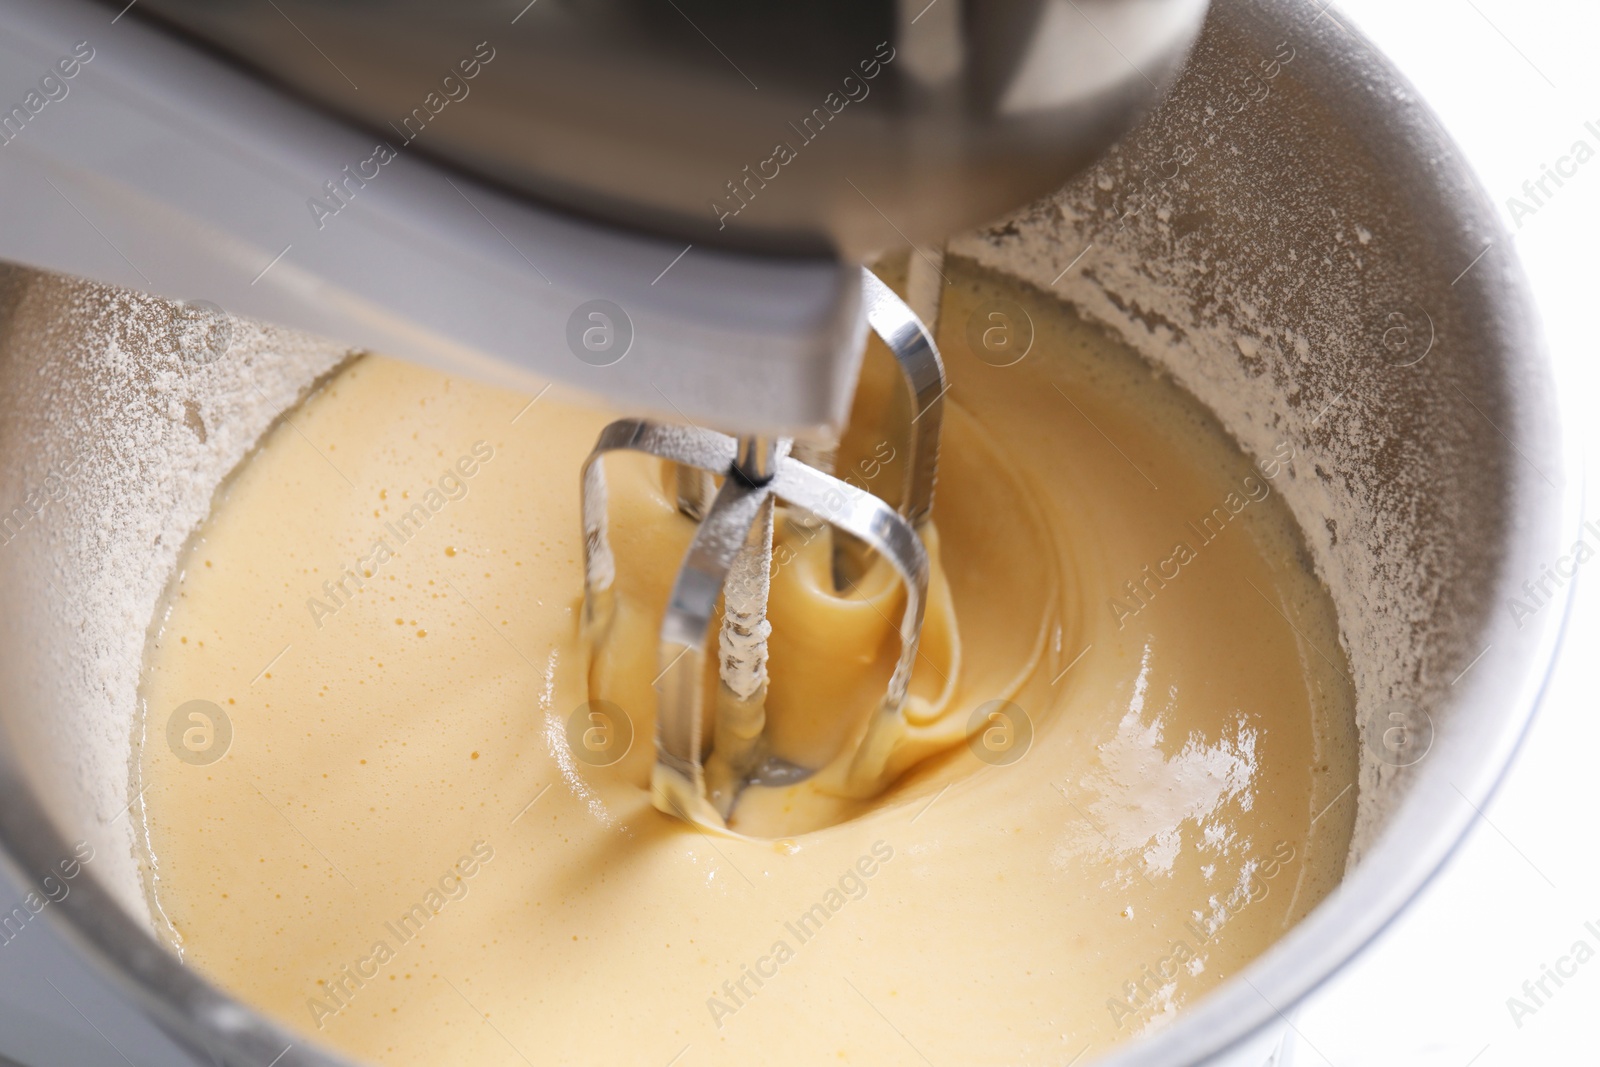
400 855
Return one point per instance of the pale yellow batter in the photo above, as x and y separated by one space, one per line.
399 854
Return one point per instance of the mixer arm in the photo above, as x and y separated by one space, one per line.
156 166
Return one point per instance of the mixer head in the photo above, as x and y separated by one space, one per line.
466 185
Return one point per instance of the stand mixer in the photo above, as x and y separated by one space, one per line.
512 210
156 165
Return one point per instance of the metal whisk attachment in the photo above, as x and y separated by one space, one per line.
730 558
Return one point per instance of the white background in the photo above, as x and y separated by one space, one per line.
1514 81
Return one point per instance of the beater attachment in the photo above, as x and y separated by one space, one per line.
730 559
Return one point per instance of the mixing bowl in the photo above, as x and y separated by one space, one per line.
1290 236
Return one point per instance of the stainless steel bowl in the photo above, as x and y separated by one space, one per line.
1290 235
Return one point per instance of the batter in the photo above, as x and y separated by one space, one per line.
366 814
